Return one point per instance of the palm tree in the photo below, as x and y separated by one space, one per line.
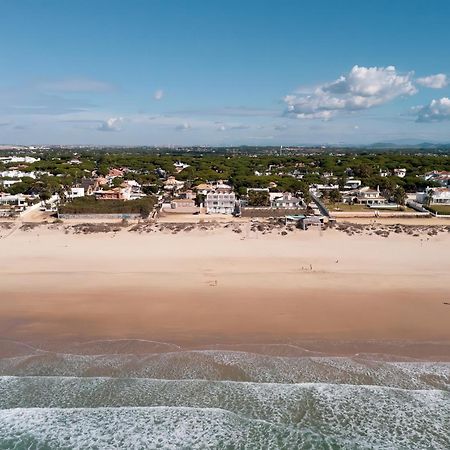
428 196
400 196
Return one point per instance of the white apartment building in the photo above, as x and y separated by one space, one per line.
220 203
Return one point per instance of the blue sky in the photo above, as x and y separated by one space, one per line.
182 72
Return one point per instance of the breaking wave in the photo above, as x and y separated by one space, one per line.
163 397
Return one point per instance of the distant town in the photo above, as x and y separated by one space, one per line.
311 186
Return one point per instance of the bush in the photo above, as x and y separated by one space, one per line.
443 210
89 205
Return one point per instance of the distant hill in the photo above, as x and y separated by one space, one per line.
409 143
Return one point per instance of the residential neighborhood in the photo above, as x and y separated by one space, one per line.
311 184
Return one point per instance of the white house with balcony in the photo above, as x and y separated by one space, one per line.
365 196
220 202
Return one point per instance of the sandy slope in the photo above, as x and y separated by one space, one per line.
219 286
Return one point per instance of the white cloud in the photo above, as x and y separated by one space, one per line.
224 127
362 88
159 94
75 85
112 124
437 81
436 111
183 127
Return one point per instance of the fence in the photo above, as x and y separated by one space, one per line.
269 212
99 216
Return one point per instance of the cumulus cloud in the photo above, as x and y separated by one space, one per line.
437 81
112 124
159 94
436 111
362 88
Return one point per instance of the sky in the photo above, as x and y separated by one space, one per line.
224 72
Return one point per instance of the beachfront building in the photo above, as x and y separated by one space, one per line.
204 188
222 188
18 200
436 196
365 196
120 193
181 205
87 187
90 185
11 205
287 201
220 202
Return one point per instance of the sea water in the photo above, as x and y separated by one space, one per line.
129 395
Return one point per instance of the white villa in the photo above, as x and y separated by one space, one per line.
287 201
435 196
365 196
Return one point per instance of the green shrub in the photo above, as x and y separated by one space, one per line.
90 205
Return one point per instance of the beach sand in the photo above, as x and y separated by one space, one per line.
207 287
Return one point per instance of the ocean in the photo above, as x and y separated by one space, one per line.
129 394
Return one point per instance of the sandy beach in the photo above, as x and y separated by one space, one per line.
216 286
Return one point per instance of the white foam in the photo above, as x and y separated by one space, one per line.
330 417
232 365
138 428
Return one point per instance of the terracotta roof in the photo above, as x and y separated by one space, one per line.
203 186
